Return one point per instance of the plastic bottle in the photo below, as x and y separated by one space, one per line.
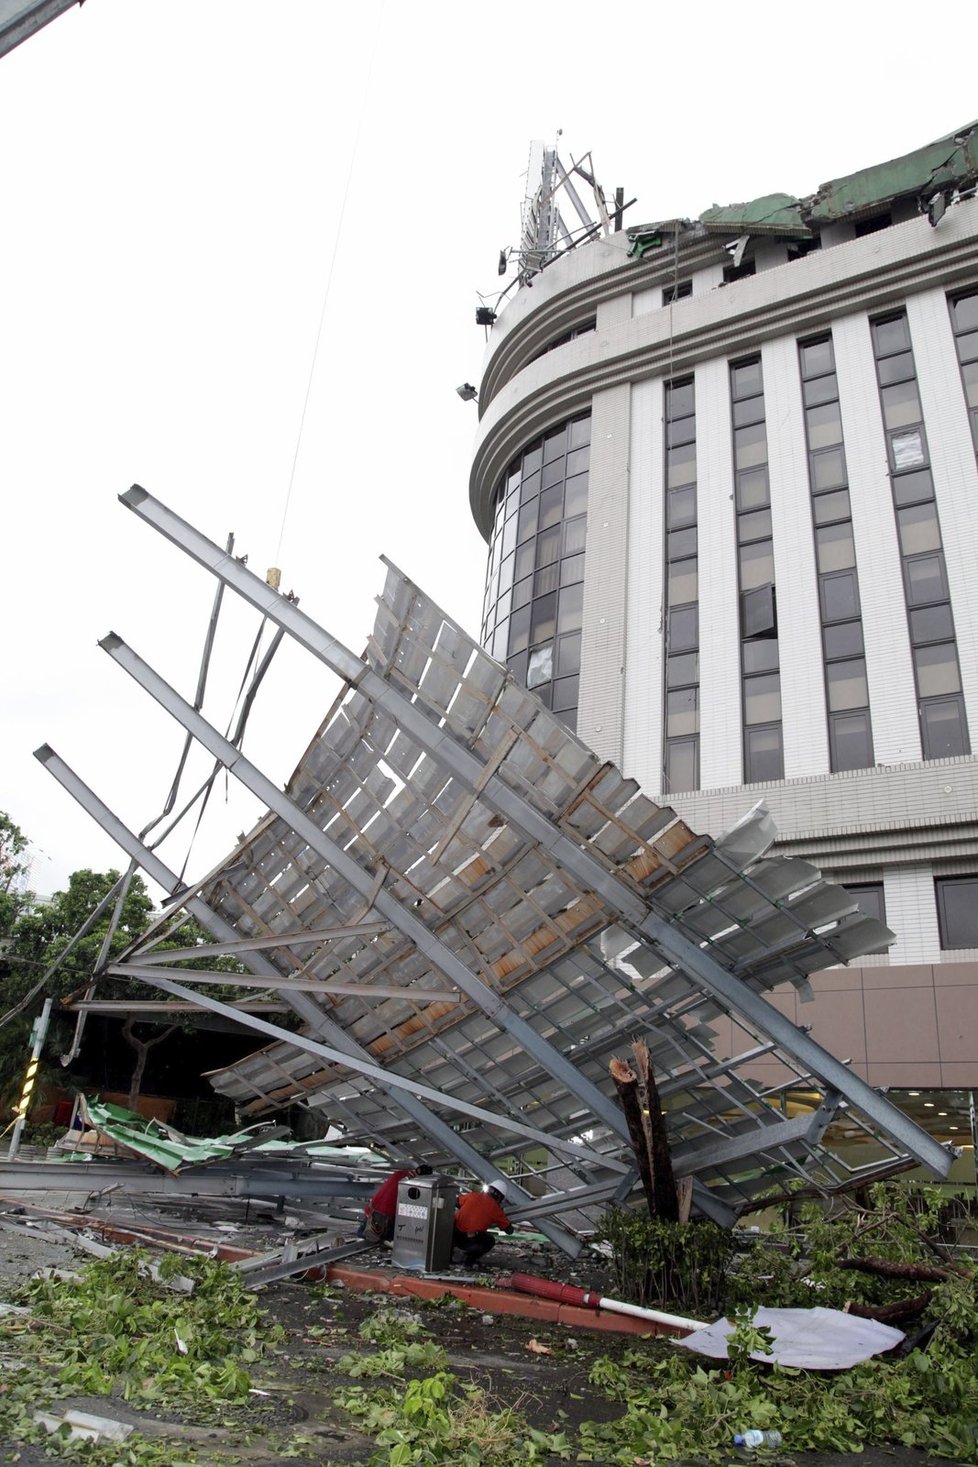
753 1439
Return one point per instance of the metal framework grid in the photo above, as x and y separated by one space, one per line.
498 913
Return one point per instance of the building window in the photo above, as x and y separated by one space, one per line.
873 224
584 329
940 700
957 910
682 675
534 602
846 687
743 271
678 292
760 666
964 319
870 900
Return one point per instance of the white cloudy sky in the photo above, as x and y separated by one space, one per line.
184 182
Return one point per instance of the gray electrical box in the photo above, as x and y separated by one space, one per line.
424 1225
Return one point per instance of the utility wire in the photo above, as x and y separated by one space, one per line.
329 277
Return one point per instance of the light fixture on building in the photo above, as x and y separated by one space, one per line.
485 316
467 392
936 208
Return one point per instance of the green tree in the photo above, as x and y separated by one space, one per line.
13 866
38 935
44 932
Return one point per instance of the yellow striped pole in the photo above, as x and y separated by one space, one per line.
38 1035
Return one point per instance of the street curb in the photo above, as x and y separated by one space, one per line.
497 1301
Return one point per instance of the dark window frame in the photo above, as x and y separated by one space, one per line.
947 921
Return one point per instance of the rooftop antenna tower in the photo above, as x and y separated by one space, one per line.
550 185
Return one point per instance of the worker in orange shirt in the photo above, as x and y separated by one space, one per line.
475 1214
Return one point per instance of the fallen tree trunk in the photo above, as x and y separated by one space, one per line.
904 1311
889 1268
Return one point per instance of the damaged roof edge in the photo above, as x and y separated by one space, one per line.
947 164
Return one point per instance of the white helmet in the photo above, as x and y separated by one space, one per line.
499 1187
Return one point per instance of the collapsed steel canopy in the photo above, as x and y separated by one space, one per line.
472 914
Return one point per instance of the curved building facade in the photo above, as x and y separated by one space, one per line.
727 474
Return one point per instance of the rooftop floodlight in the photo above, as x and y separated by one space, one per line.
467 392
935 209
503 262
484 316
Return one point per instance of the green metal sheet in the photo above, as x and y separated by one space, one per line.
778 214
949 163
940 167
170 1149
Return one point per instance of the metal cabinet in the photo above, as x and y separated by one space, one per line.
424 1224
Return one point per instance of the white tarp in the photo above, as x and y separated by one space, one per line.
808 1339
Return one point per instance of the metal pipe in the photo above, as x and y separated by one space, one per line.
528 1283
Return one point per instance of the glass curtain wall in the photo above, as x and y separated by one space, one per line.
535 587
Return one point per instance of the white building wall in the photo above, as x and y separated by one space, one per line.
601 700
642 740
911 912
889 667
611 312
955 472
721 758
705 279
805 733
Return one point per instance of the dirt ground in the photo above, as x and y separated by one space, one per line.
321 1325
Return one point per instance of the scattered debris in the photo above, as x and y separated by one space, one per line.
806 1339
84 1427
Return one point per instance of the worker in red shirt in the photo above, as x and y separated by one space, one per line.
381 1210
475 1214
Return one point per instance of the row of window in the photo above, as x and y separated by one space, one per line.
940 701
941 711
957 909
532 615
760 658
846 686
682 694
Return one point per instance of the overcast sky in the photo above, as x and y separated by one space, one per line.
185 182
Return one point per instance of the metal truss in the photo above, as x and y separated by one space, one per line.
473 914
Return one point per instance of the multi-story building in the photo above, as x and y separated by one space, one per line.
727 473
